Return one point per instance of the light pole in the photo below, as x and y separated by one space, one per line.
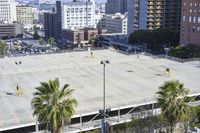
103 112
18 87
166 50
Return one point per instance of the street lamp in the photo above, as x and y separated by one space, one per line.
166 50
18 87
103 112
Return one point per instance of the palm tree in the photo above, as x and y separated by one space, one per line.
172 101
3 47
51 41
41 41
54 106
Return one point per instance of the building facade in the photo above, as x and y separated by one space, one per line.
13 29
53 23
8 11
190 22
79 36
24 14
74 37
164 14
78 14
137 15
115 23
116 6
90 33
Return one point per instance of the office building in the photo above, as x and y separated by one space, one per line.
8 11
24 14
137 15
164 14
190 22
78 14
115 23
7 29
53 23
116 6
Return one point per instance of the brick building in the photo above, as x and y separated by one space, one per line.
190 22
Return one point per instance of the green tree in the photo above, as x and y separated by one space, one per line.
3 46
10 35
51 41
172 101
155 40
54 106
186 52
41 41
36 35
92 38
195 117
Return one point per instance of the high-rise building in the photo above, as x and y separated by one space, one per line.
116 6
164 14
24 14
8 10
137 15
78 14
53 23
190 22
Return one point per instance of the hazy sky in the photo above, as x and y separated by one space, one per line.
96 0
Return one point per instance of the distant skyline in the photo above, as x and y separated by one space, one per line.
98 1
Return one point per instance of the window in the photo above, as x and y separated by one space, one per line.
190 4
190 19
194 20
198 20
193 29
190 10
183 18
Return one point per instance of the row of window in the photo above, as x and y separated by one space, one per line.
193 4
193 29
77 18
191 19
194 11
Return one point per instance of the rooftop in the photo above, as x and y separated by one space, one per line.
129 80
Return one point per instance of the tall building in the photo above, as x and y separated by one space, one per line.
137 15
53 23
78 14
115 23
164 14
8 10
116 6
190 22
24 14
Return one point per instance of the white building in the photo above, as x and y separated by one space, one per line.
35 13
78 14
115 23
24 14
8 10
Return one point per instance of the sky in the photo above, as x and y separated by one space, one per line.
99 1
